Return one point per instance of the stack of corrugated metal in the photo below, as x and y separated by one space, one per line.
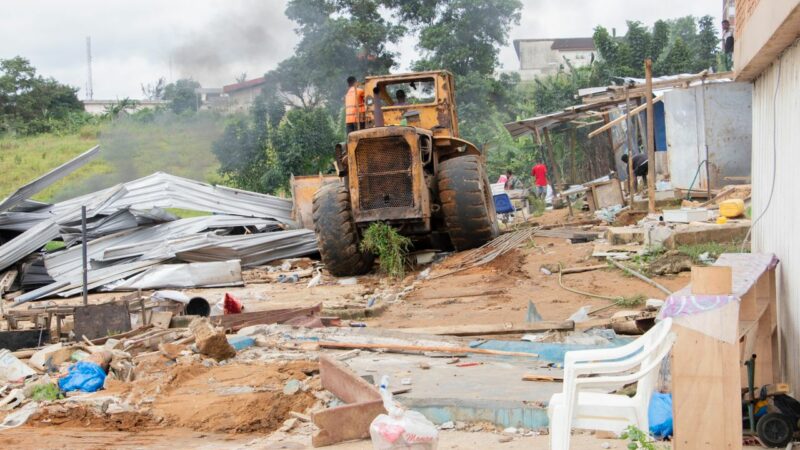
130 231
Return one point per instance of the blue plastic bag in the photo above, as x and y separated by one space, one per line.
83 376
659 414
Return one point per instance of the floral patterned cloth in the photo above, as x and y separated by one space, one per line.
747 269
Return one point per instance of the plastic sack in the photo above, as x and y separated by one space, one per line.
83 376
401 429
659 414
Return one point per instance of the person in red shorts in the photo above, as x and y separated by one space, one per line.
539 172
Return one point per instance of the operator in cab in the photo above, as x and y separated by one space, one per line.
354 107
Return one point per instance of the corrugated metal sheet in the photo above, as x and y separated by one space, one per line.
775 231
718 114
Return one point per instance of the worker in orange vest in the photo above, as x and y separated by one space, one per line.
354 108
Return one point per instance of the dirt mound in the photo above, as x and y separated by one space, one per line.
85 417
238 398
232 398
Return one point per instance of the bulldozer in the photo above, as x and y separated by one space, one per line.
414 173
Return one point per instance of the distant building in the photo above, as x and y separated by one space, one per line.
212 98
241 95
542 57
99 107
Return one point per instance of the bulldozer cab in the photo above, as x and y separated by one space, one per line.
422 100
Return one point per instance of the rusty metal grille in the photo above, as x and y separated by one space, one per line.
384 173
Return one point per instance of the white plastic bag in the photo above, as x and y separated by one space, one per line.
401 429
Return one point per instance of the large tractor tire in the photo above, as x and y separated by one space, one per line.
337 236
467 202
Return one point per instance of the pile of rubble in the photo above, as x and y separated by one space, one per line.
134 242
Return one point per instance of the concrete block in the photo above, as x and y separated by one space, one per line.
702 233
625 235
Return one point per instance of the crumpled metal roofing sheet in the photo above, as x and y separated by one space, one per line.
177 276
254 249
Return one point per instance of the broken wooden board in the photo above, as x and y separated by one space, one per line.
493 329
161 319
535 377
347 422
95 321
608 322
603 250
294 316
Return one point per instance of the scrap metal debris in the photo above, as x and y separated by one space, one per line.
130 234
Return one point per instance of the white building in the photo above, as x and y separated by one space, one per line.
541 57
767 53
100 107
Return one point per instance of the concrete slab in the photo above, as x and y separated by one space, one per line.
699 233
491 391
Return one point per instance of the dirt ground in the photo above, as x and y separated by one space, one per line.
189 404
499 292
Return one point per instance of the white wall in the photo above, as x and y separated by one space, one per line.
775 233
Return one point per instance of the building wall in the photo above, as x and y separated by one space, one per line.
780 114
242 99
537 58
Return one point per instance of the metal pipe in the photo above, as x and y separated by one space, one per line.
84 249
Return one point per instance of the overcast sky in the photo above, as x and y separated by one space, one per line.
213 41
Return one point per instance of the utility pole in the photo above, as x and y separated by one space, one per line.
89 84
651 137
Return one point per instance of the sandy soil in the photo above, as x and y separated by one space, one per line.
499 291
234 398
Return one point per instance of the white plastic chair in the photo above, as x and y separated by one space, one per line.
578 407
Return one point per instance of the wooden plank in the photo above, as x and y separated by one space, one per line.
345 423
712 280
492 329
623 117
651 136
423 348
161 319
535 377
344 383
706 393
351 421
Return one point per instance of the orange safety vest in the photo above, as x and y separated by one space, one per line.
354 107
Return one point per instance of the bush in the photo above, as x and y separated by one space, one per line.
390 247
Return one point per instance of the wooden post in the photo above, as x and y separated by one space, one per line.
552 158
611 157
631 139
573 138
651 137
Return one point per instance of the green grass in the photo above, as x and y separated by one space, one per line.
130 149
712 248
187 213
24 158
53 246
633 300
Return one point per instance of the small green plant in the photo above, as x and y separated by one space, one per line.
45 392
633 300
389 246
537 205
713 249
638 439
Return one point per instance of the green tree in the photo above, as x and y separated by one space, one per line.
660 39
707 42
181 95
30 103
639 40
302 145
339 38
676 60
